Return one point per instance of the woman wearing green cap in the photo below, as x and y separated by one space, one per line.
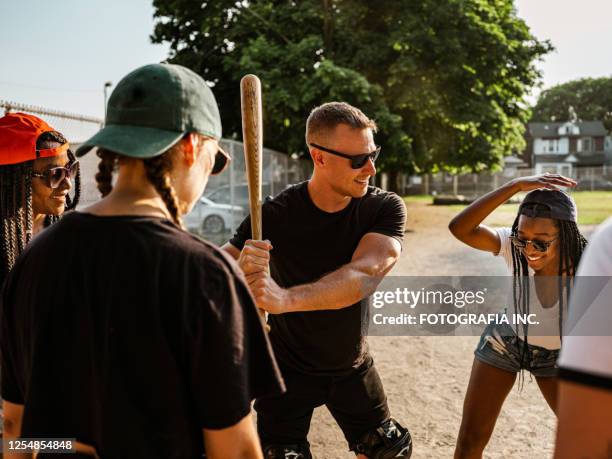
152 345
542 250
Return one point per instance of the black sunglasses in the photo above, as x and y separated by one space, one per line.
540 246
56 175
222 159
357 161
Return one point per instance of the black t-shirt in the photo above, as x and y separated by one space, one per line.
309 243
131 335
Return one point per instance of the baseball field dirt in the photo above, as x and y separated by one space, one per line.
425 378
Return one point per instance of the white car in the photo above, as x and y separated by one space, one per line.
222 194
208 217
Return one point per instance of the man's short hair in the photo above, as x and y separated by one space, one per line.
325 118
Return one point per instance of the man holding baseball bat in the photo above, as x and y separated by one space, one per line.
328 243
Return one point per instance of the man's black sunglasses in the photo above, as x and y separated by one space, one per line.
357 161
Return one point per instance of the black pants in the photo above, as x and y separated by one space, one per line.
357 402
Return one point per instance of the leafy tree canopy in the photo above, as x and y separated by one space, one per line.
445 80
591 99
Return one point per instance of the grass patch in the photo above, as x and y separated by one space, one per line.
593 208
420 198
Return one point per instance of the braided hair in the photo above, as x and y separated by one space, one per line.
156 169
571 246
16 224
16 208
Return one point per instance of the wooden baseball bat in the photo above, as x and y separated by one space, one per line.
252 137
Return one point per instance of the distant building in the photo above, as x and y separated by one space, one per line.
562 147
511 165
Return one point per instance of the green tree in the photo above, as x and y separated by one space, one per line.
591 99
445 79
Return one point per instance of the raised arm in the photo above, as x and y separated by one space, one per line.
373 258
467 225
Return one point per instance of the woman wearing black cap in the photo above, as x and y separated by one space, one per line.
542 249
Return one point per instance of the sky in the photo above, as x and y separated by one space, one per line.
580 32
58 54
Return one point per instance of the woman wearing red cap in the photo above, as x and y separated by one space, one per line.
35 171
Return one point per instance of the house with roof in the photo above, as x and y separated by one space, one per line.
563 147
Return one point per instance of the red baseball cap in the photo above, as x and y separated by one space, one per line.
18 135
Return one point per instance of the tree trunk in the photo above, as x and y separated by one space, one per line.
393 178
328 27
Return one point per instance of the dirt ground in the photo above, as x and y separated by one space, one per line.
425 378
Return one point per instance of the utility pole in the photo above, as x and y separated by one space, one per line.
107 85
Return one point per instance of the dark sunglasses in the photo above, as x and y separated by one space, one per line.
56 175
357 161
222 160
540 246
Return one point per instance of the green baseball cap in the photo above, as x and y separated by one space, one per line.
152 108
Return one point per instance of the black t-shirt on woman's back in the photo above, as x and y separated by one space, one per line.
131 335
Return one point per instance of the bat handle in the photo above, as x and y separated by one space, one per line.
257 234
265 324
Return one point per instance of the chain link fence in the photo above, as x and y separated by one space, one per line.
76 128
474 185
225 202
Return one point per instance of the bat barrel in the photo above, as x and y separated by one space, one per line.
252 134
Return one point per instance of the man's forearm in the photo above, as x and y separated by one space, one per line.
339 289
373 258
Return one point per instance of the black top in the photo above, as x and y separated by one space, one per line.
131 335
309 243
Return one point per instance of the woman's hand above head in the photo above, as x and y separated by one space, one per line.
467 225
549 181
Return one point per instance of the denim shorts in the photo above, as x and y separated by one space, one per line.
499 346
